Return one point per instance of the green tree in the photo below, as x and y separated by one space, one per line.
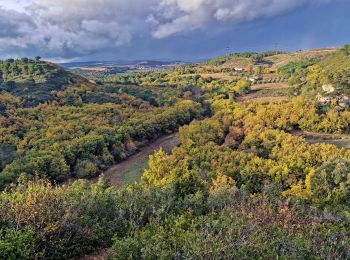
330 184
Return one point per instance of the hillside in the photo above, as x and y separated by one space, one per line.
61 126
35 81
259 171
338 61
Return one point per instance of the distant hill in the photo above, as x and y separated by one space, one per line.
96 70
271 58
151 63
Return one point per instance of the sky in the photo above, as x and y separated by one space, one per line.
189 30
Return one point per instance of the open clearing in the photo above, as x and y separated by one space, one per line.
339 140
131 169
255 98
285 58
223 76
269 92
270 86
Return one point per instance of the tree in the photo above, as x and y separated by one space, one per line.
345 49
242 87
24 60
330 184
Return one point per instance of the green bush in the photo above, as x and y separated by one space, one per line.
16 244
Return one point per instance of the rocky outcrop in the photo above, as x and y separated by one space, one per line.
328 88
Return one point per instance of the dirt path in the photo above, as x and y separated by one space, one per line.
132 168
339 140
101 254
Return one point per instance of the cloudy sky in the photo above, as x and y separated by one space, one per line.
167 29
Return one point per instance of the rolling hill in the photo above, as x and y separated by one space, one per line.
35 81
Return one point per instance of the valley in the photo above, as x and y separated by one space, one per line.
174 130
241 156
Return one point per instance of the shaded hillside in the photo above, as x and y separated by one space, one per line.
35 81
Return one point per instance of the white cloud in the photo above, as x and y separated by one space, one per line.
81 27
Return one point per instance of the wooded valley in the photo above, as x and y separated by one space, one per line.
243 183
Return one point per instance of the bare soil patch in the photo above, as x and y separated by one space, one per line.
339 140
270 86
251 98
269 92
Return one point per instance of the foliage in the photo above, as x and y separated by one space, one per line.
62 141
54 222
241 184
35 81
242 87
295 68
257 57
244 228
330 184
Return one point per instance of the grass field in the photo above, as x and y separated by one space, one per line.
134 172
131 170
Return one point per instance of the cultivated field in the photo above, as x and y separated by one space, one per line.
269 92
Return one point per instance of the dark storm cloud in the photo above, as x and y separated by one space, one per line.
183 15
68 29
13 24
